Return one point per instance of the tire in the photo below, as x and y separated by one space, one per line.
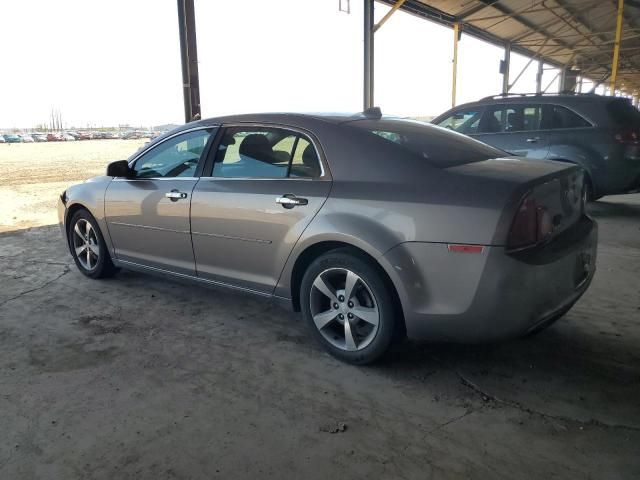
588 191
87 246
368 323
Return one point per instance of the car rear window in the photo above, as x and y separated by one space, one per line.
623 113
437 146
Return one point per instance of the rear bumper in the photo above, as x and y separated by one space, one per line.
466 297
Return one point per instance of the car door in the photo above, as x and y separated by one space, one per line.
148 213
264 185
516 129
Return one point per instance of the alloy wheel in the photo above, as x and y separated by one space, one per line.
344 309
85 244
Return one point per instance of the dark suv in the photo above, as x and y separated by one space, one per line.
601 134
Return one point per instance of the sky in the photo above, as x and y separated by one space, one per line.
118 62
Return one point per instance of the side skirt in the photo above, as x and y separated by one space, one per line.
183 278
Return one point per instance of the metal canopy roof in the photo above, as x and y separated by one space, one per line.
578 34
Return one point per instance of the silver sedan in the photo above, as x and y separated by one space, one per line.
373 227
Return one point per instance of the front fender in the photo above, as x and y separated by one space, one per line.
90 196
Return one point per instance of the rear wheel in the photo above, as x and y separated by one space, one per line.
347 305
88 247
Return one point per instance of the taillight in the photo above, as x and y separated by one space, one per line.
628 137
532 224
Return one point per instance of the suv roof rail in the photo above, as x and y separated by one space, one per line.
533 94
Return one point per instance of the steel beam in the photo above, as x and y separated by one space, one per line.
539 76
616 48
387 16
368 54
189 58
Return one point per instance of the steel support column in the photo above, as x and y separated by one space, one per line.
568 80
368 54
539 76
189 58
505 64
454 80
616 48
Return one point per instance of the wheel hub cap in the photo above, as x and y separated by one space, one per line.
344 309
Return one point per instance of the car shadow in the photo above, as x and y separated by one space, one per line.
614 209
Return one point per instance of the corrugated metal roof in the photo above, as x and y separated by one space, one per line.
572 33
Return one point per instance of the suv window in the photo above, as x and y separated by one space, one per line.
262 152
622 112
176 157
464 121
511 118
557 117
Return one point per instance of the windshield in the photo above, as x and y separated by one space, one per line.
439 147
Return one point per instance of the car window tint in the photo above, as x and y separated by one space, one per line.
176 157
264 153
491 121
305 163
511 118
463 121
558 117
435 146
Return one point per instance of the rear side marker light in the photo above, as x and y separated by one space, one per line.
457 248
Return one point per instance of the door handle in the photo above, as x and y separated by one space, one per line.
175 195
290 201
533 140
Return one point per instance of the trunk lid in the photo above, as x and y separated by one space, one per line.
554 186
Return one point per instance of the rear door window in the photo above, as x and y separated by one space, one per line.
265 152
511 118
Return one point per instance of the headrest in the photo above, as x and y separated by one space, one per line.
256 146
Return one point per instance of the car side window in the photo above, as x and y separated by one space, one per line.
264 152
176 157
511 118
556 117
466 121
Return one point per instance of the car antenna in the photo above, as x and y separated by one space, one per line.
373 112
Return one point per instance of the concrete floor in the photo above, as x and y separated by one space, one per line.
137 377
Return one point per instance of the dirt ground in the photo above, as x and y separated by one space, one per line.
33 175
140 378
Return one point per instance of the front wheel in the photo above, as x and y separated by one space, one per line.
348 307
88 247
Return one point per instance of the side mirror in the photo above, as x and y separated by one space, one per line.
119 169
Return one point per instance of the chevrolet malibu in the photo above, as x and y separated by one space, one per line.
373 227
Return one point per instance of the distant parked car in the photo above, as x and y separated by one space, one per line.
601 134
27 138
2 140
84 136
68 137
39 137
13 138
111 135
54 137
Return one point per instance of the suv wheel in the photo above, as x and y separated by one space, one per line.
347 305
